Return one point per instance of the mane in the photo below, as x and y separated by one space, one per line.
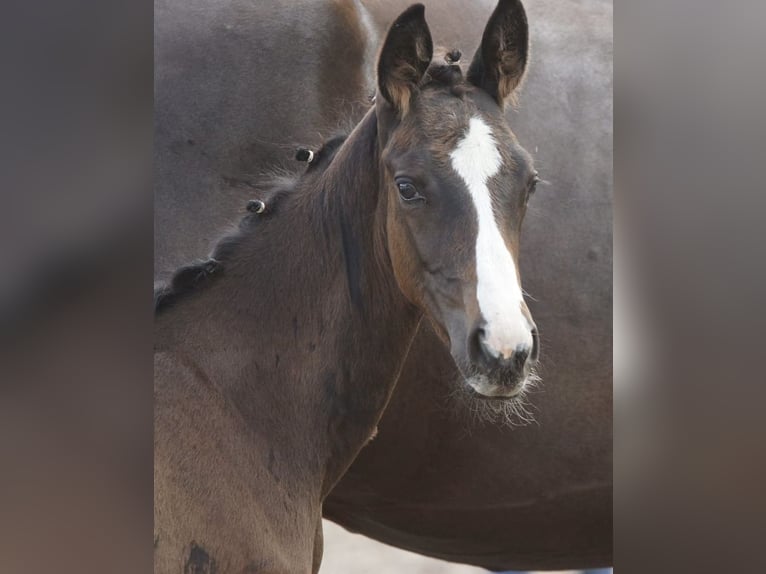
194 276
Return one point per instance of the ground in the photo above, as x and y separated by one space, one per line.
346 553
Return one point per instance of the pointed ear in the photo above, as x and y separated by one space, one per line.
500 61
404 58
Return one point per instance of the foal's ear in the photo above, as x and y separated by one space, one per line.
499 63
404 58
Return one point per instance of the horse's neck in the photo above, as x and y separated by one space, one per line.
305 332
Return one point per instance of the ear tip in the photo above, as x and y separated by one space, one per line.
414 12
512 5
412 16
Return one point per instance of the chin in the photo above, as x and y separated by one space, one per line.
488 389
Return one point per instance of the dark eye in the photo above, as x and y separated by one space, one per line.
408 192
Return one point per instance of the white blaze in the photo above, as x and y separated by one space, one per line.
476 159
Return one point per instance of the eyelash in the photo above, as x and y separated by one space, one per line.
533 184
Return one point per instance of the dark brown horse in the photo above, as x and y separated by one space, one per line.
538 496
275 359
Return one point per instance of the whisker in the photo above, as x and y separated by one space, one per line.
518 411
526 294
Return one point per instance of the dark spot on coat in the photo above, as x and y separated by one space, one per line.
199 561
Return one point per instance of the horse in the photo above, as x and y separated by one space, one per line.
532 497
275 358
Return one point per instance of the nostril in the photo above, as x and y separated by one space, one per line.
522 354
520 357
479 344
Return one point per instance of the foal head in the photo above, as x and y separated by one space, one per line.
457 184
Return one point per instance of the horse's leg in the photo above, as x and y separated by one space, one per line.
318 547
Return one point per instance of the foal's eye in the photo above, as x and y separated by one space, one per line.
408 192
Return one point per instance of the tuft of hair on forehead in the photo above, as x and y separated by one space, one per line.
448 75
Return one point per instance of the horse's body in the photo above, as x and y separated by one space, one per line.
537 496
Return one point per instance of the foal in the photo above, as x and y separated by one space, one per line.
274 360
